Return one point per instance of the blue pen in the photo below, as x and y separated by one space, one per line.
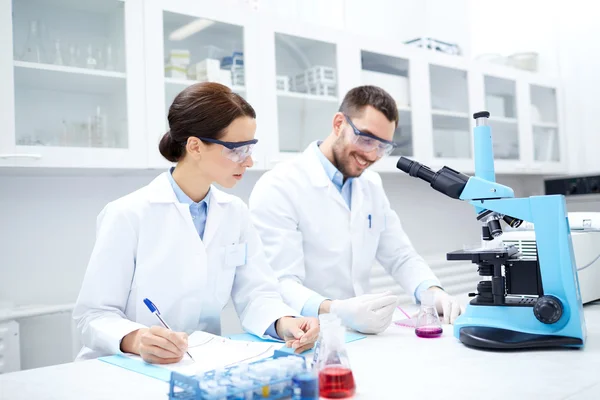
369 221
154 310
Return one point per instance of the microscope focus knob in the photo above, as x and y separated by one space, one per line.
548 309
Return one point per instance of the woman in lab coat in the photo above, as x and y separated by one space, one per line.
185 245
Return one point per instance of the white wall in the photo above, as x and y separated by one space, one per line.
564 33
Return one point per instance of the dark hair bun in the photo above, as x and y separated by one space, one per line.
169 148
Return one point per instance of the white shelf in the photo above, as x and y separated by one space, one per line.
67 79
307 96
504 120
447 113
189 82
553 125
34 311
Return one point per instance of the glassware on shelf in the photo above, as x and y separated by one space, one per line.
90 61
109 66
428 321
74 56
58 57
336 380
100 59
97 133
34 50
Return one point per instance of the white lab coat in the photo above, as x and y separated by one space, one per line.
147 246
317 246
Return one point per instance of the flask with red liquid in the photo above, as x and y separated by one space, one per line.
336 380
428 321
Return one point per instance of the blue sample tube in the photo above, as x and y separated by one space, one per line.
305 386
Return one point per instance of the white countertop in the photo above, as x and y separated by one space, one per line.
394 365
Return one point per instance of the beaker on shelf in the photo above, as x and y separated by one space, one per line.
336 380
428 321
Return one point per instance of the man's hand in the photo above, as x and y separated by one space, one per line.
369 313
156 345
298 333
446 305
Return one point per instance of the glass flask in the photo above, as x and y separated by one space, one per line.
336 380
58 57
428 321
34 48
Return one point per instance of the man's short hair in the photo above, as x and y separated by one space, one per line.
360 97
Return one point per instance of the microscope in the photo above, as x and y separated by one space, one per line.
520 303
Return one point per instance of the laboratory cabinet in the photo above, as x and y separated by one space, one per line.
72 83
89 85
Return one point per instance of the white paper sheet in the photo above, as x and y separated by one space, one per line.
213 352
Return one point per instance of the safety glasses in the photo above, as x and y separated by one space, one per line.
235 151
368 142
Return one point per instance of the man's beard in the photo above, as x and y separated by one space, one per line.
341 162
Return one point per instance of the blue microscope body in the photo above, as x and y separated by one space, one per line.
521 303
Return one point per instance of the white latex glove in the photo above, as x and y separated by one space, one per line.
369 313
446 305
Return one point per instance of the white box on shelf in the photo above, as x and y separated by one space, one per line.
316 75
237 77
206 69
179 57
395 85
323 90
176 71
320 74
294 87
283 83
225 77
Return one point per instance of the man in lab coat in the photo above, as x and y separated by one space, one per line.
324 220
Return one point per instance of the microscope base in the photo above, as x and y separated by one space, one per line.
504 339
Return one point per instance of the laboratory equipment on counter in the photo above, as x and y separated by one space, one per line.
520 303
428 323
305 386
270 378
325 320
336 380
585 234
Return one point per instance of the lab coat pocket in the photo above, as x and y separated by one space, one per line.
375 223
234 256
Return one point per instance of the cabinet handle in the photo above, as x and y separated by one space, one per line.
23 155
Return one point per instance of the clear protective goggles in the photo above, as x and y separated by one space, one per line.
235 151
368 142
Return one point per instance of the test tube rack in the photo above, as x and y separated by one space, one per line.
184 387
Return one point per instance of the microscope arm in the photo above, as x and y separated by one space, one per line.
455 184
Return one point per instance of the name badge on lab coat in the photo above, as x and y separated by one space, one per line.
235 255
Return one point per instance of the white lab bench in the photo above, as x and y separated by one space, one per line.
393 365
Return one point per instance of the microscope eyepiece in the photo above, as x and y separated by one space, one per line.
446 180
415 169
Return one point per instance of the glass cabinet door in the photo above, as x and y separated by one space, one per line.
187 43
500 101
544 119
392 75
201 50
73 76
450 112
307 90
